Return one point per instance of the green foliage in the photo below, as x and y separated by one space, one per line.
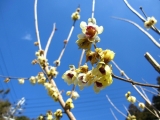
22 118
4 107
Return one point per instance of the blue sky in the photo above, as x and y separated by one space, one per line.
17 35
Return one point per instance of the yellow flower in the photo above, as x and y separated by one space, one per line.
81 80
82 69
32 80
69 104
131 117
21 81
91 56
70 75
58 114
102 69
108 56
7 80
83 42
89 78
127 94
141 105
131 99
150 22
102 82
99 53
91 30
49 115
75 16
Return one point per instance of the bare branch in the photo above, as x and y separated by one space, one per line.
115 107
145 32
141 17
93 7
113 114
134 83
65 45
49 40
36 24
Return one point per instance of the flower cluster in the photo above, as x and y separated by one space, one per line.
89 34
52 91
99 55
99 76
130 98
52 72
69 104
150 22
41 79
41 59
58 114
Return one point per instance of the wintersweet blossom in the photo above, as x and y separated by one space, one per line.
141 105
102 69
69 104
41 79
57 62
150 22
40 117
70 76
21 81
91 30
58 114
131 99
84 42
49 115
81 80
91 56
52 72
75 95
89 78
7 80
82 69
32 80
75 16
127 94
131 117
102 82
108 56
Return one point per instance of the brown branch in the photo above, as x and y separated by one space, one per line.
135 83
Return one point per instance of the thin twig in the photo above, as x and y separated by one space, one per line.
151 92
135 87
145 32
65 45
152 88
113 114
144 93
141 17
49 40
134 83
93 7
10 77
115 107
36 24
126 110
